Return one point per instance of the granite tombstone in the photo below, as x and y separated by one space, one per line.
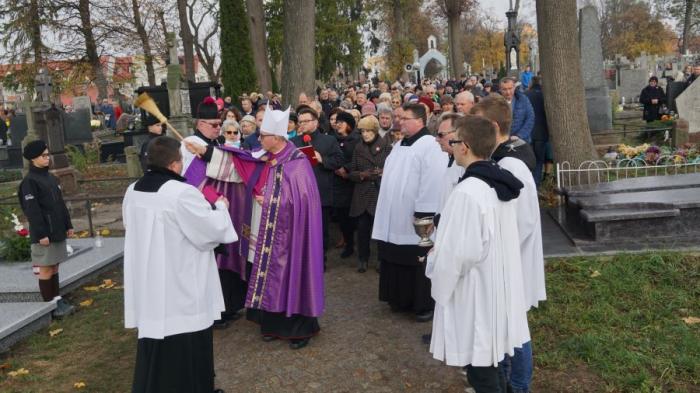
597 95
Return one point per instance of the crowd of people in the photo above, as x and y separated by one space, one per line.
371 160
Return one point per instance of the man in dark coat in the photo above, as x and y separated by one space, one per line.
652 97
540 131
329 157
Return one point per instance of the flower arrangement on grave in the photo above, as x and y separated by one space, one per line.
651 154
16 243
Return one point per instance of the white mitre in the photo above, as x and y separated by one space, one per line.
275 122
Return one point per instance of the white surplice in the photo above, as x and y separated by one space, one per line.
530 230
171 282
187 157
410 183
476 279
449 182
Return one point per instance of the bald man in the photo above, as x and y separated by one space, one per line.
464 101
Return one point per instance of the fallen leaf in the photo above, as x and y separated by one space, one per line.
91 289
118 287
105 232
79 385
54 333
18 373
595 274
86 303
4 366
691 320
107 284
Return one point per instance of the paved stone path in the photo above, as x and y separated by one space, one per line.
362 347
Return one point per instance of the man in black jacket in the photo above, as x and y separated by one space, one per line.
652 97
329 157
49 222
540 131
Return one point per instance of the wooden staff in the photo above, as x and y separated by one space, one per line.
146 102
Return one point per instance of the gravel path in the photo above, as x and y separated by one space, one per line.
362 347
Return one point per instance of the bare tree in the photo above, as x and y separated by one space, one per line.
563 81
145 41
298 49
453 10
203 16
258 43
187 39
93 57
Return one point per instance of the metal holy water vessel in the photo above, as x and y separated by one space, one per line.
424 227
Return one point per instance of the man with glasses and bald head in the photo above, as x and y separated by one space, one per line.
412 174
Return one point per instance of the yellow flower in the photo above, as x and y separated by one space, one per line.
54 333
18 373
86 303
80 385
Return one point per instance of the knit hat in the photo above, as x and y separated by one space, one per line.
369 123
369 108
34 149
248 118
428 102
347 118
207 109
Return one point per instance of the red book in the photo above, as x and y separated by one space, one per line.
310 154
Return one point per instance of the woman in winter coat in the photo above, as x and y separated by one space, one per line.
366 171
342 186
652 97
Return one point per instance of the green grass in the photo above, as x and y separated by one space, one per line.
621 331
93 348
626 324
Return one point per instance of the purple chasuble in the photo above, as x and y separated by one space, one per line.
287 273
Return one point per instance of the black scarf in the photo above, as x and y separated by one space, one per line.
506 185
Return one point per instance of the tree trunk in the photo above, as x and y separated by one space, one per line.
187 40
37 45
258 43
564 95
687 21
91 48
454 35
147 56
298 63
164 27
399 31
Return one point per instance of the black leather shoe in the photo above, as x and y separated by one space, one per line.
299 344
362 267
425 316
220 324
346 253
230 317
267 339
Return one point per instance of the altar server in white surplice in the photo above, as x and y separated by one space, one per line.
474 266
172 293
410 186
513 157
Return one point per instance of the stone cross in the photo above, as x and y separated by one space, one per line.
178 90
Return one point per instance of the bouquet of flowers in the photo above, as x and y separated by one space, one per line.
17 246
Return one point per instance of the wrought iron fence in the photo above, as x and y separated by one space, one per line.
599 171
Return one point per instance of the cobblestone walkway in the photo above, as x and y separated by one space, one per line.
362 347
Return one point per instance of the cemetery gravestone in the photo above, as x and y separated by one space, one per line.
597 95
631 83
82 102
688 104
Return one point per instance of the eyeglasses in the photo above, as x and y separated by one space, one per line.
306 121
456 141
214 124
231 132
407 118
444 134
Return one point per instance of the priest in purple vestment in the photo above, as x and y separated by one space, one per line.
279 218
